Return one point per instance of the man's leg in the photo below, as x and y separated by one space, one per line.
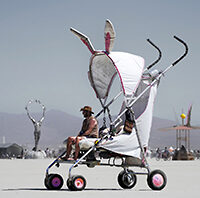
77 148
70 141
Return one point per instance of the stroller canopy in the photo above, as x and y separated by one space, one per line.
104 67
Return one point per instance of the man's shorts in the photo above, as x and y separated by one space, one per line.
86 143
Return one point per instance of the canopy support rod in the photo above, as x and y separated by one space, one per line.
104 110
106 106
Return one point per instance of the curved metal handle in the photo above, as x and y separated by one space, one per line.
186 50
160 54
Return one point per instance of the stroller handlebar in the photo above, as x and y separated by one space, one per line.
159 57
186 50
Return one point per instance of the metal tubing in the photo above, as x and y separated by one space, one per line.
70 169
47 170
140 144
106 106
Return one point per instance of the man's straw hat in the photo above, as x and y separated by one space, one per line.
87 108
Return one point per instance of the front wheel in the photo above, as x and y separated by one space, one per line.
157 180
76 183
46 181
127 179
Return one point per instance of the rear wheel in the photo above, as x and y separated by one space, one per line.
76 183
127 179
157 180
53 182
69 184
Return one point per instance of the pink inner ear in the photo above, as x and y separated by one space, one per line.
107 42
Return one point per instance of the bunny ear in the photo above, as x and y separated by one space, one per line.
84 39
109 35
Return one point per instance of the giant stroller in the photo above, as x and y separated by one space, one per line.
126 136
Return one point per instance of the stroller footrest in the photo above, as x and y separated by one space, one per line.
133 161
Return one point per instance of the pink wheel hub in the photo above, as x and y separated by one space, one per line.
79 183
157 180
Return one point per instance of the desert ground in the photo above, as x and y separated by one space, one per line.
25 178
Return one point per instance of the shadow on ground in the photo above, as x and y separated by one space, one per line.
44 189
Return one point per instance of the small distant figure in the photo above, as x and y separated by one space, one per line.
36 124
158 154
47 151
166 154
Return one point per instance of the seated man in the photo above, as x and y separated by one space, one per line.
89 130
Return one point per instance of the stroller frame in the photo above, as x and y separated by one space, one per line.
126 178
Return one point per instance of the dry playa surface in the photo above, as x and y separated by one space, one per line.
25 178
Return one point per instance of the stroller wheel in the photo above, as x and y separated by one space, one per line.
46 181
76 183
157 180
69 184
53 182
127 179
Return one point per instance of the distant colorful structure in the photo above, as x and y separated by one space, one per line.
183 137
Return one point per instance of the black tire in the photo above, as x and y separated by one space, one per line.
46 181
53 182
127 179
157 180
76 183
69 184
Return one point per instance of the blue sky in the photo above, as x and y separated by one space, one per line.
40 58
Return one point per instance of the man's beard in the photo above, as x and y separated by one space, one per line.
87 114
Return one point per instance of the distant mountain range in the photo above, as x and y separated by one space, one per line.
58 125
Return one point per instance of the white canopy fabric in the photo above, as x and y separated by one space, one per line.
129 68
103 68
101 74
127 144
144 111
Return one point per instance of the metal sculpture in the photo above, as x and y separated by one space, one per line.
36 124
